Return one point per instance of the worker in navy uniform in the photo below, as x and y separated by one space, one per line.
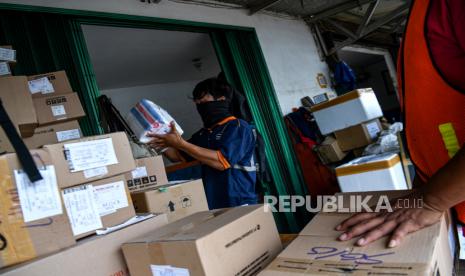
225 147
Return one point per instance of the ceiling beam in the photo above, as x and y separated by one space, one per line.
336 9
341 28
367 17
263 5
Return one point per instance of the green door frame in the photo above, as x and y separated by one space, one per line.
285 169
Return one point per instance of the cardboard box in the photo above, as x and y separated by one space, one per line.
149 173
329 151
358 136
52 134
58 108
91 158
176 200
372 173
18 104
93 256
33 221
103 203
348 110
7 53
49 84
235 241
318 252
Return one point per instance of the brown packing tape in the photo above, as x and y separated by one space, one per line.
19 246
322 267
341 99
373 166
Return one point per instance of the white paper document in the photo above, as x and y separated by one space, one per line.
68 135
90 154
167 270
373 129
42 85
110 197
81 208
4 69
139 172
40 199
89 173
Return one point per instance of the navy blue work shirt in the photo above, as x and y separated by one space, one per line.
234 141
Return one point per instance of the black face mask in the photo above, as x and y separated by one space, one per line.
213 112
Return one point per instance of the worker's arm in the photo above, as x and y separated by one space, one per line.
444 190
174 141
173 155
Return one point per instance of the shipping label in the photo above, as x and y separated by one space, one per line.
7 54
40 199
58 110
110 197
68 135
41 85
90 154
89 173
82 209
373 129
139 172
167 270
4 69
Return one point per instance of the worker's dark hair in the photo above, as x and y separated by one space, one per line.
211 86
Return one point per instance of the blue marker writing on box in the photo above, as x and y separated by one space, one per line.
324 252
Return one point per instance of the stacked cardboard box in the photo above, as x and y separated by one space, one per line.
316 251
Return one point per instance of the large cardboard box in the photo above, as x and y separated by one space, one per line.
318 252
52 134
58 108
91 158
149 173
49 84
93 256
358 136
348 110
98 205
33 221
235 241
329 151
18 104
176 200
372 173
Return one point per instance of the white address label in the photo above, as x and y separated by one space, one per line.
40 199
90 154
7 54
58 110
4 69
373 129
110 197
68 135
139 172
41 85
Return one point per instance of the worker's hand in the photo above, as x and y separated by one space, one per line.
369 227
171 139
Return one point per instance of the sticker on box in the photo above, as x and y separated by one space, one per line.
82 210
167 270
373 129
90 154
58 110
41 85
139 172
4 69
89 173
7 54
110 197
68 135
40 199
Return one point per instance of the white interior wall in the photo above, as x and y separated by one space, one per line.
288 46
174 97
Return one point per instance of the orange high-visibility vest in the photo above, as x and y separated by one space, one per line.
434 112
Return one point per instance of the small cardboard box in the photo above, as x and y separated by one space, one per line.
175 200
58 108
235 241
49 84
358 136
318 252
52 134
98 205
18 104
372 173
33 220
348 110
149 173
91 158
329 151
93 256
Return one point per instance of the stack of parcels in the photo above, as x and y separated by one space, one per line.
351 122
316 251
7 59
236 241
43 108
